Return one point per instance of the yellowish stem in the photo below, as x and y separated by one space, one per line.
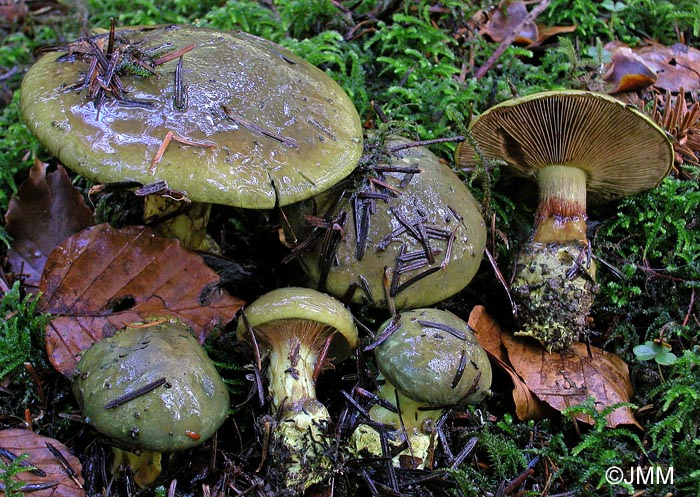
188 226
561 214
145 465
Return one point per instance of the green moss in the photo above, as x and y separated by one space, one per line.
21 331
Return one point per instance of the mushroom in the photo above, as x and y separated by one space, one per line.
293 326
403 231
431 360
579 147
151 389
235 119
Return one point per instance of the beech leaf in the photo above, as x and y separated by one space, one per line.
46 210
568 378
19 441
628 72
505 19
103 278
673 67
560 380
489 335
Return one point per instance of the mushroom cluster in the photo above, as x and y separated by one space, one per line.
217 116
579 148
430 361
151 389
299 331
403 231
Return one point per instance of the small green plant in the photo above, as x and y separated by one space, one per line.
250 16
659 352
675 434
21 330
8 471
652 247
146 12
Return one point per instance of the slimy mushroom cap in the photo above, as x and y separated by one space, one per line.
281 130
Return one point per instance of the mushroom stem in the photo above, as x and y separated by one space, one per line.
302 421
187 223
294 350
561 214
418 425
145 465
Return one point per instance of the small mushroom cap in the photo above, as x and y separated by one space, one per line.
433 357
621 150
182 413
455 232
255 79
298 303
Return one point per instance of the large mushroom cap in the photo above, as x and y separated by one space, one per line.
621 150
185 410
294 133
304 304
426 233
433 357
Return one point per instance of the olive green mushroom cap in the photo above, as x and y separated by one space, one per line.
426 236
187 407
304 304
282 129
433 357
620 149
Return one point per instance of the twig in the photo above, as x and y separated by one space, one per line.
508 40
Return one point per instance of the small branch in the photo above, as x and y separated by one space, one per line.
531 16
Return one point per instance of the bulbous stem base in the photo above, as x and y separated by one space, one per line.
418 424
554 288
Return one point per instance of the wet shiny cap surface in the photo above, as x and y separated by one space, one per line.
278 129
187 400
433 357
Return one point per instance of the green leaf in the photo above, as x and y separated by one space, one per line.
666 358
645 352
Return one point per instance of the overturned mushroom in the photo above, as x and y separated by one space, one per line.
293 326
578 147
152 390
430 361
402 231
228 118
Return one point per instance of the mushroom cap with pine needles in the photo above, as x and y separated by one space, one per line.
620 149
274 128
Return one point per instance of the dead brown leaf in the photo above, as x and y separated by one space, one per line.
628 72
567 379
505 19
12 11
19 442
103 278
46 210
676 67
489 335
560 380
